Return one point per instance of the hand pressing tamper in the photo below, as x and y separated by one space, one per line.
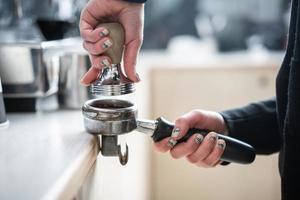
112 81
113 117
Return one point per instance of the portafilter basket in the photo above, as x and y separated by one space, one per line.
110 118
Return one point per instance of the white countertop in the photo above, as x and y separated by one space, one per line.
45 155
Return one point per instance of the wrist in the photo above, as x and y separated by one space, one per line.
224 127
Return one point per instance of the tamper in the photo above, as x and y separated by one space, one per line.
112 81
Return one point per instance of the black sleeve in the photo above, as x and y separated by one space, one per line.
136 1
255 124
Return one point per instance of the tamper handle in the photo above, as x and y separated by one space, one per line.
117 36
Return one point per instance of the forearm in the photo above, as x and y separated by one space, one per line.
255 124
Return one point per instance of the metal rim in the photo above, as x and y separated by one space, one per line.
97 109
112 90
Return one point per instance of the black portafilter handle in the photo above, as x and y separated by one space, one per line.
235 151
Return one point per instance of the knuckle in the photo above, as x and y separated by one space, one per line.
192 159
84 45
174 155
194 112
190 148
201 164
210 162
94 49
139 41
180 120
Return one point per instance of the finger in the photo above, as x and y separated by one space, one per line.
130 59
215 155
163 145
87 24
94 35
204 149
90 17
217 163
99 47
188 147
90 76
187 121
100 61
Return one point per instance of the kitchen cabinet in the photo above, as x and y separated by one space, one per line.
48 155
45 155
219 84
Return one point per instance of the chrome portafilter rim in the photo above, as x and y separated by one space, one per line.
109 116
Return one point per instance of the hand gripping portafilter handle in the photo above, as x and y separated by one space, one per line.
117 35
235 151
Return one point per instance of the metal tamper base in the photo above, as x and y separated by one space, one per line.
112 82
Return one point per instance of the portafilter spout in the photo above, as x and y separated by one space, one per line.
112 81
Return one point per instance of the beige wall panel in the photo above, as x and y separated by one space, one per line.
179 90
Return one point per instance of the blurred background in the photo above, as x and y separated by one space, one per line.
208 54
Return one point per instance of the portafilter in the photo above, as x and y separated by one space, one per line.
112 117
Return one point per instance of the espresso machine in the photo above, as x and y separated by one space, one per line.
111 117
35 49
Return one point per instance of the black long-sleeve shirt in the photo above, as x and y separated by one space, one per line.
274 125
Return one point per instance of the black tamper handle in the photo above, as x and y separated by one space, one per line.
235 151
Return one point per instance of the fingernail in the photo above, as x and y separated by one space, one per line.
213 137
172 143
105 63
106 44
175 132
104 32
137 77
199 138
221 144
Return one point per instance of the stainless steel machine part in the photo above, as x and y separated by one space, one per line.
112 81
3 119
110 118
146 126
71 93
39 74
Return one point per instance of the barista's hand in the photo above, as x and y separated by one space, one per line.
204 152
97 41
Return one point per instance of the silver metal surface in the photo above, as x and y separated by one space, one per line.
109 116
71 93
146 126
31 69
110 147
112 82
18 10
3 118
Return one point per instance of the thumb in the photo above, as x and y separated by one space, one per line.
130 58
184 123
